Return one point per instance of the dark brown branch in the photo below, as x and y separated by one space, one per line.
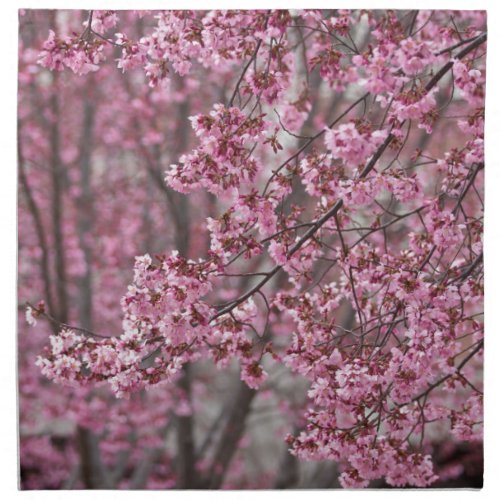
474 45
57 209
185 462
37 220
245 69
60 324
233 431
92 471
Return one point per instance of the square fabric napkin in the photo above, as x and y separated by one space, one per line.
250 249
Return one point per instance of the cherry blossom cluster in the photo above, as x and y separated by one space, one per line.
371 397
78 53
353 142
326 177
183 38
223 160
166 324
162 306
102 21
470 81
